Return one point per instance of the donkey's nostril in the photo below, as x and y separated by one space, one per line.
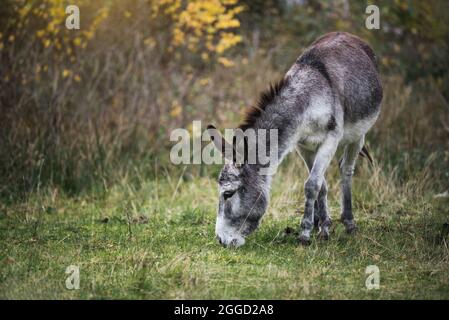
219 240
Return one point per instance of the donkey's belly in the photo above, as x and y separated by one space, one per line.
311 136
353 131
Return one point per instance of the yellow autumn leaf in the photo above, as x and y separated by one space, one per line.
176 109
149 42
40 33
66 73
229 2
77 41
175 112
205 56
204 81
226 62
178 36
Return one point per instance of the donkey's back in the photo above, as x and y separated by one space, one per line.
347 69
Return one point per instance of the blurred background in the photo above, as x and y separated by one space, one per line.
81 109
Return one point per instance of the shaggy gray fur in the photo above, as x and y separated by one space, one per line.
328 99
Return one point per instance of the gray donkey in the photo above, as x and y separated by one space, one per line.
328 99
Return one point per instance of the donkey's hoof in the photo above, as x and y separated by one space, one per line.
323 235
304 240
350 227
324 232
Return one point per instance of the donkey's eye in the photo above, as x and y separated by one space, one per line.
227 194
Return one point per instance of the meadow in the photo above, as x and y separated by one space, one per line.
86 179
155 240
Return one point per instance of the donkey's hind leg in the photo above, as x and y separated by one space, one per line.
347 166
321 216
314 183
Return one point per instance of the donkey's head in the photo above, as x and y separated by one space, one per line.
243 197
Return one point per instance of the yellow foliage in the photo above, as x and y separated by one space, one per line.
228 40
205 56
178 37
77 41
198 25
226 21
206 28
226 62
150 42
176 109
204 81
51 15
66 73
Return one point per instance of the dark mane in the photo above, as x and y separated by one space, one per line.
266 97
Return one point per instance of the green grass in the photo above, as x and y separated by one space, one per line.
155 240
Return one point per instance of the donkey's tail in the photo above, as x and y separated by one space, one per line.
365 154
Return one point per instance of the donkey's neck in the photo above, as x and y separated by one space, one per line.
282 117
280 109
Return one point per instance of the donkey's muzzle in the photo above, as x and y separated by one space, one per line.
220 241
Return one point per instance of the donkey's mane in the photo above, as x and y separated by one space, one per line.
266 97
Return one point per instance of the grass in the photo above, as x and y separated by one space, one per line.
154 239
84 181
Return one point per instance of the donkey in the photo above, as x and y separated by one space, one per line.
328 99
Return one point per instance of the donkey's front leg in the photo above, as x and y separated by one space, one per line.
321 216
314 182
322 210
347 170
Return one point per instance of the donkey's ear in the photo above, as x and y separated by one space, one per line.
220 142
